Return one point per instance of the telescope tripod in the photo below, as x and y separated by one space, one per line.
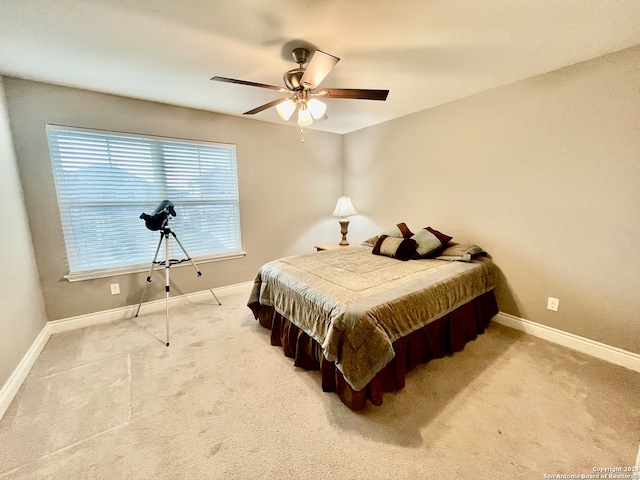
167 263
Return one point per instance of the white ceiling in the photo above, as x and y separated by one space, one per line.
426 52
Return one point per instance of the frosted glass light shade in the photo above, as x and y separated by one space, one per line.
344 208
317 108
286 109
304 117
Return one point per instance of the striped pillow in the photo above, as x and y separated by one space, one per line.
400 248
399 231
429 242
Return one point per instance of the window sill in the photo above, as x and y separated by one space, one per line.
114 272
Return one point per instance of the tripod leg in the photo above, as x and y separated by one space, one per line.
167 266
195 267
155 257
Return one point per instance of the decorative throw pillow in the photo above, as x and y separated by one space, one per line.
400 248
429 241
444 239
399 231
461 252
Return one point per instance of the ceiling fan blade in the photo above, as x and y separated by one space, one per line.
354 93
319 67
265 106
244 82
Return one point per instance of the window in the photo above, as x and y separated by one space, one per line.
105 180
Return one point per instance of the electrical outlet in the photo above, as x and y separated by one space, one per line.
115 288
553 304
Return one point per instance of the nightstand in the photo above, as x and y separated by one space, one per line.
328 246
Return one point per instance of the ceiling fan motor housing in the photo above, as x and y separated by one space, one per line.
292 77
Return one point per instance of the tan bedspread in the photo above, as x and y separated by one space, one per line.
356 304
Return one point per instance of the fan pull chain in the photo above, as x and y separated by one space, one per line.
302 135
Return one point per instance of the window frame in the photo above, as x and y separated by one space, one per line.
158 162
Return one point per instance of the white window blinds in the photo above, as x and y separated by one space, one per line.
105 180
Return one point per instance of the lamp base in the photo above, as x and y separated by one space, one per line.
344 225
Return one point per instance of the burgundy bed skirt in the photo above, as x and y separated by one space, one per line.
437 339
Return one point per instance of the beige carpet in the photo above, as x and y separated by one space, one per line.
112 401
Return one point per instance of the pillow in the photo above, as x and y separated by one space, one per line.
370 242
400 248
461 252
399 231
444 239
429 241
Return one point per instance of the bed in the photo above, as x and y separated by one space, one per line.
366 320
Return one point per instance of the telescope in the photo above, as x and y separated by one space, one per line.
160 216
159 220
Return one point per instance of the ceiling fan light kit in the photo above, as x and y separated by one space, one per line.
308 108
301 82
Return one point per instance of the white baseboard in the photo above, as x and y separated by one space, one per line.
122 313
19 375
599 350
10 388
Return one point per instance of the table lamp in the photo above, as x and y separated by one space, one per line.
344 209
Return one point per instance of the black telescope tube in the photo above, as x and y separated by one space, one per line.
158 219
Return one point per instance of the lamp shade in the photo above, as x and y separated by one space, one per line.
304 117
286 109
317 108
344 208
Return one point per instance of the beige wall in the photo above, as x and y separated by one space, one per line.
22 316
287 189
544 174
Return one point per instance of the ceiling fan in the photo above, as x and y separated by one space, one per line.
301 84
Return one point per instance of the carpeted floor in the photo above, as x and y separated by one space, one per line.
112 401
